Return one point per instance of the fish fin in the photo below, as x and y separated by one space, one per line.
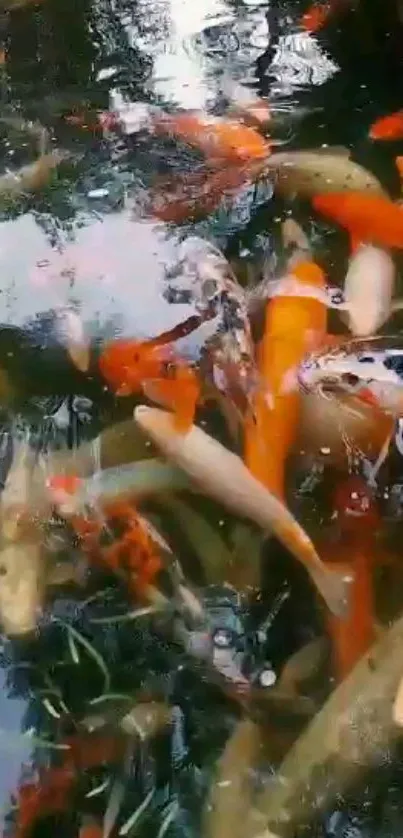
334 587
335 150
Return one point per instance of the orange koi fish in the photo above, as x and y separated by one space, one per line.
368 218
218 139
388 127
132 367
358 520
293 325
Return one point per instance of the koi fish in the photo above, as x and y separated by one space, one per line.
388 127
197 194
294 325
370 370
367 217
131 367
368 290
319 171
351 733
219 139
357 522
223 476
32 177
204 277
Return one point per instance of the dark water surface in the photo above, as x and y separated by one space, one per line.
85 239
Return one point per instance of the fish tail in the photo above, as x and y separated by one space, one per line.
335 588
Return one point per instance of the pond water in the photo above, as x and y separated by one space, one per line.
88 239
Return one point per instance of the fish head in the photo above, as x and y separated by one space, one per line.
371 370
355 504
21 587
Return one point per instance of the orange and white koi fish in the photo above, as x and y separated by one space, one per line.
294 326
223 476
132 367
368 218
388 127
357 521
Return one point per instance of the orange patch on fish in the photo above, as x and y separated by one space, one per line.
293 327
369 218
132 367
388 127
315 17
399 166
357 520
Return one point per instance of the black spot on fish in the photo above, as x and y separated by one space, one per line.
395 363
366 359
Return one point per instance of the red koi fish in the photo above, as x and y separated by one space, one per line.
388 127
357 520
132 367
368 218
